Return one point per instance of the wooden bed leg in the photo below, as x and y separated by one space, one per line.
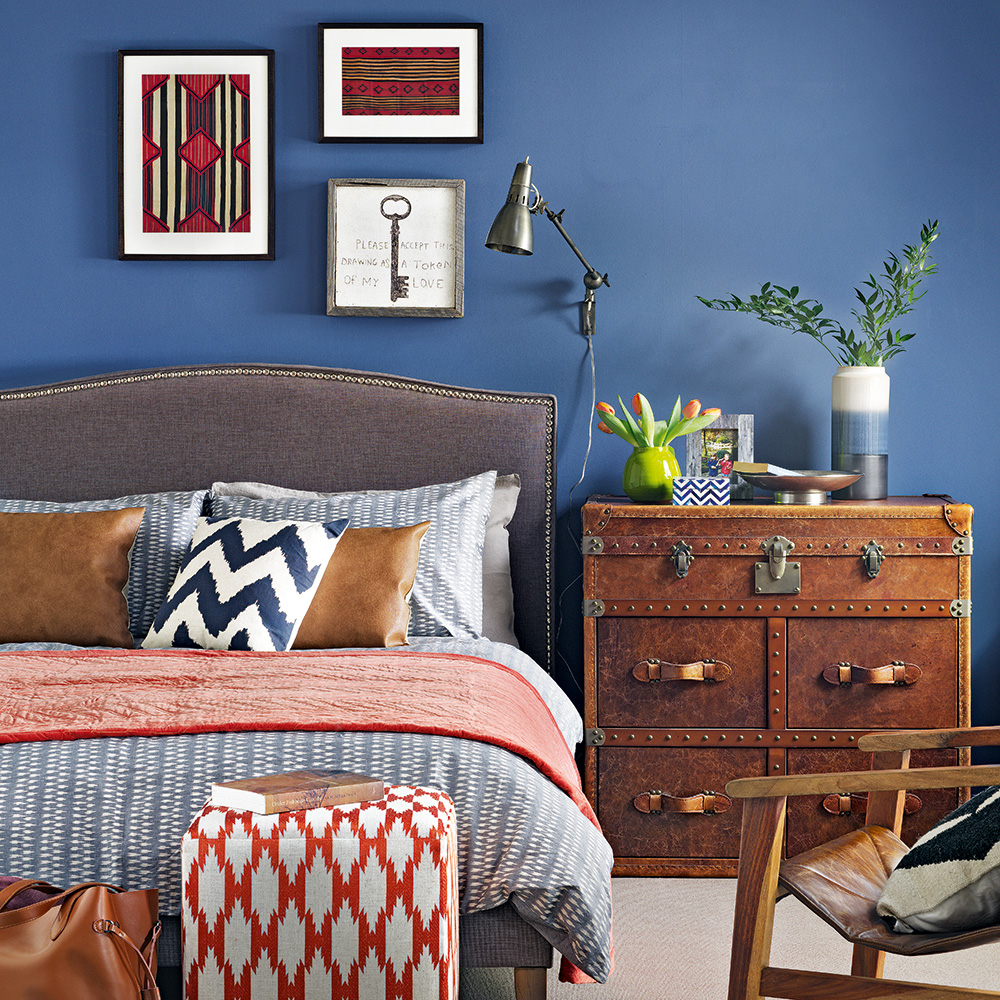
530 984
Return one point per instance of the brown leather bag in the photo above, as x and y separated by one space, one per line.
91 942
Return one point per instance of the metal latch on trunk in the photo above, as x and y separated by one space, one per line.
777 575
681 557
872 557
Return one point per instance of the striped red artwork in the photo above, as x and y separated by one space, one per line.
400 80
195 153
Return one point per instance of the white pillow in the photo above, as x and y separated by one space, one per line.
950 879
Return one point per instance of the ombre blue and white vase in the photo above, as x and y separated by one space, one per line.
860 430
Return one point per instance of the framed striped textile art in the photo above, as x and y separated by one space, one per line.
400 82
196 154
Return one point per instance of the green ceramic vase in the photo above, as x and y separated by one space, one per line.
649 475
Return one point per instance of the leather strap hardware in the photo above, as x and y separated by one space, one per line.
856 803
652 671
148 989
654 803
899 673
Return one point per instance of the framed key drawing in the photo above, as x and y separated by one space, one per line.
196 154
395 247
419 82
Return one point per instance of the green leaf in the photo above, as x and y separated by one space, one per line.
647 419
632 426
615 425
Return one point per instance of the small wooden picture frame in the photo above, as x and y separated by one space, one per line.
396 247
712 451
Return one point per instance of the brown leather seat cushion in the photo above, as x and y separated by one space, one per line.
842 881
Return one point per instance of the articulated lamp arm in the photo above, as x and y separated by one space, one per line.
511 232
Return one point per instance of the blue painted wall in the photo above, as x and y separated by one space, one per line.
697 148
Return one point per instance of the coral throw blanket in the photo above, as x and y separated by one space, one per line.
57 695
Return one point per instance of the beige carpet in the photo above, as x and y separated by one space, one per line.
672 943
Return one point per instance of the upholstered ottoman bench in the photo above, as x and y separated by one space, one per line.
358 901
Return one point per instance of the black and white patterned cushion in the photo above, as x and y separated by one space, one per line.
245 584
447 595
950 879
160 544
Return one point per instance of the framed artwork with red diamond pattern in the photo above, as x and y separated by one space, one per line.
196 154
400 82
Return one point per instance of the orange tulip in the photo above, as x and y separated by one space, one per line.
636 405
605 428
691 410
713 413
604 408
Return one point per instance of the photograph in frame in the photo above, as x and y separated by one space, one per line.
396 247
712 451
196 154
418 82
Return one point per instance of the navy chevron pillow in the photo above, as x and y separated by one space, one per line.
245 584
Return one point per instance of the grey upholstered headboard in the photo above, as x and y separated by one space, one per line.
306 428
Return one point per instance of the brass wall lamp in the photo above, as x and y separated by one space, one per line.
511 232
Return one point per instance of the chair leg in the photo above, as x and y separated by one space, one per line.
530 983
756 887
867 962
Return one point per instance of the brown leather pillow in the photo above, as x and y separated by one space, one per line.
62 575
361 600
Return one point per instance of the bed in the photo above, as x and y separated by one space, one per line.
534 869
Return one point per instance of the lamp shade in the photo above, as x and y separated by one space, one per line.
511 231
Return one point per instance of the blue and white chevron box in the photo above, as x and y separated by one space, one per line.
701 491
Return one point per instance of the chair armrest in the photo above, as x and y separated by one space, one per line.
864 781
931 739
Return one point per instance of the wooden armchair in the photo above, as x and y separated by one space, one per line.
842 880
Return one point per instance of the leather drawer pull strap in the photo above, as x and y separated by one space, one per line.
652 671
897 672
842 804
656 802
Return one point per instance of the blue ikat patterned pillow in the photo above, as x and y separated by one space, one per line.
447 595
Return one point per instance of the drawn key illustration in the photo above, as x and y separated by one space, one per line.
399 284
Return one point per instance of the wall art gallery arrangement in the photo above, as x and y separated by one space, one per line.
196 159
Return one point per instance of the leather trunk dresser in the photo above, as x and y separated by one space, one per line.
753 639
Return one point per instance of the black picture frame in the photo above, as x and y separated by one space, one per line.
365 121
203 201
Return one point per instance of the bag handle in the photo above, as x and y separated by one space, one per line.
148 990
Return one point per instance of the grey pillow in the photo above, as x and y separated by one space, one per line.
160 545
498 591
950 879
447 595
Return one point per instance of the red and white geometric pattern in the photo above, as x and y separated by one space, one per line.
358 902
